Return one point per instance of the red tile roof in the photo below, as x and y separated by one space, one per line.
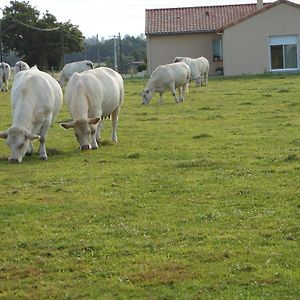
194 19
255 12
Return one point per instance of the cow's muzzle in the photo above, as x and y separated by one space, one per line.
13 160
85 147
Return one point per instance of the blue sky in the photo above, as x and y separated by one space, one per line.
110 17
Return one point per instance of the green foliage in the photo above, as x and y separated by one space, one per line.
42 41
198 200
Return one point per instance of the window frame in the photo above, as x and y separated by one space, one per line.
283 41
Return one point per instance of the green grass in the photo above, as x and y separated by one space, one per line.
198 200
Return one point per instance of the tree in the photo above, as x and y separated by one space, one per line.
42 41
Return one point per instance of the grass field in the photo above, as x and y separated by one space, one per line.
198 200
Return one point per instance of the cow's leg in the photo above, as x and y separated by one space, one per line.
42 150
160 98
98 132
173 91
180 94
43 133
114 120
94 132
185 89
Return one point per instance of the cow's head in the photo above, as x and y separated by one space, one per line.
18 140
84 130
146 96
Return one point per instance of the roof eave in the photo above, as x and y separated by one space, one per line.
179 32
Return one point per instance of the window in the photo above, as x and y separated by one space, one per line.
284 52
217 50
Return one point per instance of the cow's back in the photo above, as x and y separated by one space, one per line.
83 94
112 85
175 72
37 90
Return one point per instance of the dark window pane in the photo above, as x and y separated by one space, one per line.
276 57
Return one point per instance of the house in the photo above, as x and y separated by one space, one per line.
236 39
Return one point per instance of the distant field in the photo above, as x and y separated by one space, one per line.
198 200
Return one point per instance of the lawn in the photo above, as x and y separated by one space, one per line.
197 200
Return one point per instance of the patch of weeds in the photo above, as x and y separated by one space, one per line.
296 142
206 108
215 117
246 103
201 136
199 163
107 143
141 114
53 151
291 157
147 119
134 155
167 275
244 268
293 104
283 90
288 124
232 94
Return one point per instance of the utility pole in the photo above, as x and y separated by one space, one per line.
121 60
1 46
62 47
98 51
115 54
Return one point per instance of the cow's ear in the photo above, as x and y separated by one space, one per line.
3 135
94 120
67 125
31 136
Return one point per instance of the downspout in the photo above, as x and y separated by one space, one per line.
148 56
259 4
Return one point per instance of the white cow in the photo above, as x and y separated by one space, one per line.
199 68
36 100
168 77
77 66
91 96
203 67
21 66
4 76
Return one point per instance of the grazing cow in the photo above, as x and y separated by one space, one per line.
4 76
91 96
199 68
21 66
36 100
171 76
77 66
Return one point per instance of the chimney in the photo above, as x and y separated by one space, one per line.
259 4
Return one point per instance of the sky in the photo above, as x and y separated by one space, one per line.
111 17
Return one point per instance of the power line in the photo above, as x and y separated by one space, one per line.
35 28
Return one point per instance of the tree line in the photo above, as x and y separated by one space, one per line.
130 52
40 39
